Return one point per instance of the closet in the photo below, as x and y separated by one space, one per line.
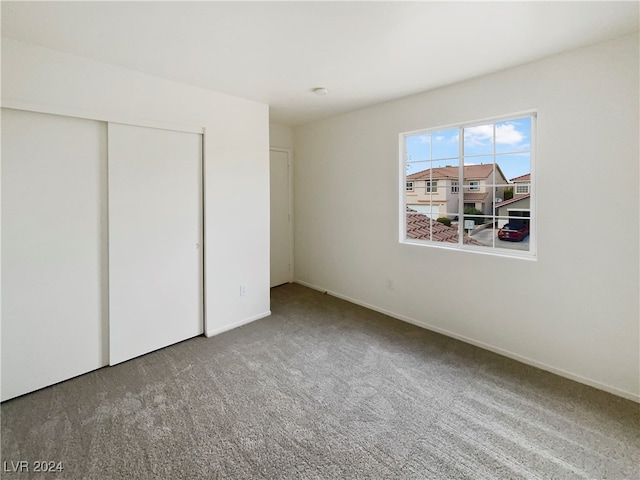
155 237
101 244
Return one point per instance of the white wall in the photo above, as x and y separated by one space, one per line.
573 311
280 136
236 158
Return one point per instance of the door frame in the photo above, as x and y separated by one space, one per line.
289 153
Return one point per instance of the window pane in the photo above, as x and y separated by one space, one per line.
445 144
473 228
514 165
418 147
513 232
431 195
479 230
479 190
421 226
478 140
513 135
418 225
478 173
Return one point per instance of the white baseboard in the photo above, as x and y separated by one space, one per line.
231 326
500 351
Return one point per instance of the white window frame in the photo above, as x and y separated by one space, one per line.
407 187
523 186
474 185
455 186
431 186
495 250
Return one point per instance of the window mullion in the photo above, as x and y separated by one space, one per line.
428 190
461 186
494 191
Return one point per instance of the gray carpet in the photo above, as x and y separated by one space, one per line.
323 389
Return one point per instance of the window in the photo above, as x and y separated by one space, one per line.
409 187
492 159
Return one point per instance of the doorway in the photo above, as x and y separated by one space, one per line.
281 217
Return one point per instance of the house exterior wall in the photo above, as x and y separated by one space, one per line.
442 197
524 204
518 205
448 202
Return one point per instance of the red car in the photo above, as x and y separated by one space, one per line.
514 231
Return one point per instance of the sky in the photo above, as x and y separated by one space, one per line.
512 141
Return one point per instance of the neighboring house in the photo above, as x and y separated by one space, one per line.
436 192
520 204
421 227
522 184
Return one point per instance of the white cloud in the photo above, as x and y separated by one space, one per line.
478 135
506 134
424 138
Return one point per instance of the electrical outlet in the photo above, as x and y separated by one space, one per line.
243 290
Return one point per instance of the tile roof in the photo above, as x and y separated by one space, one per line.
422 227
512 200
470 171
522 178
476 197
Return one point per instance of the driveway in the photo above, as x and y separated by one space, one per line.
487 236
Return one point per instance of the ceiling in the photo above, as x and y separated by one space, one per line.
277 52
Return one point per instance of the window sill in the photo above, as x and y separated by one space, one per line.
496 252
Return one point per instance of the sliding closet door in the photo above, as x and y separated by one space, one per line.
54 249
155 238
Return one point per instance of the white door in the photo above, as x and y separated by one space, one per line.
54 249
280 218
155 237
